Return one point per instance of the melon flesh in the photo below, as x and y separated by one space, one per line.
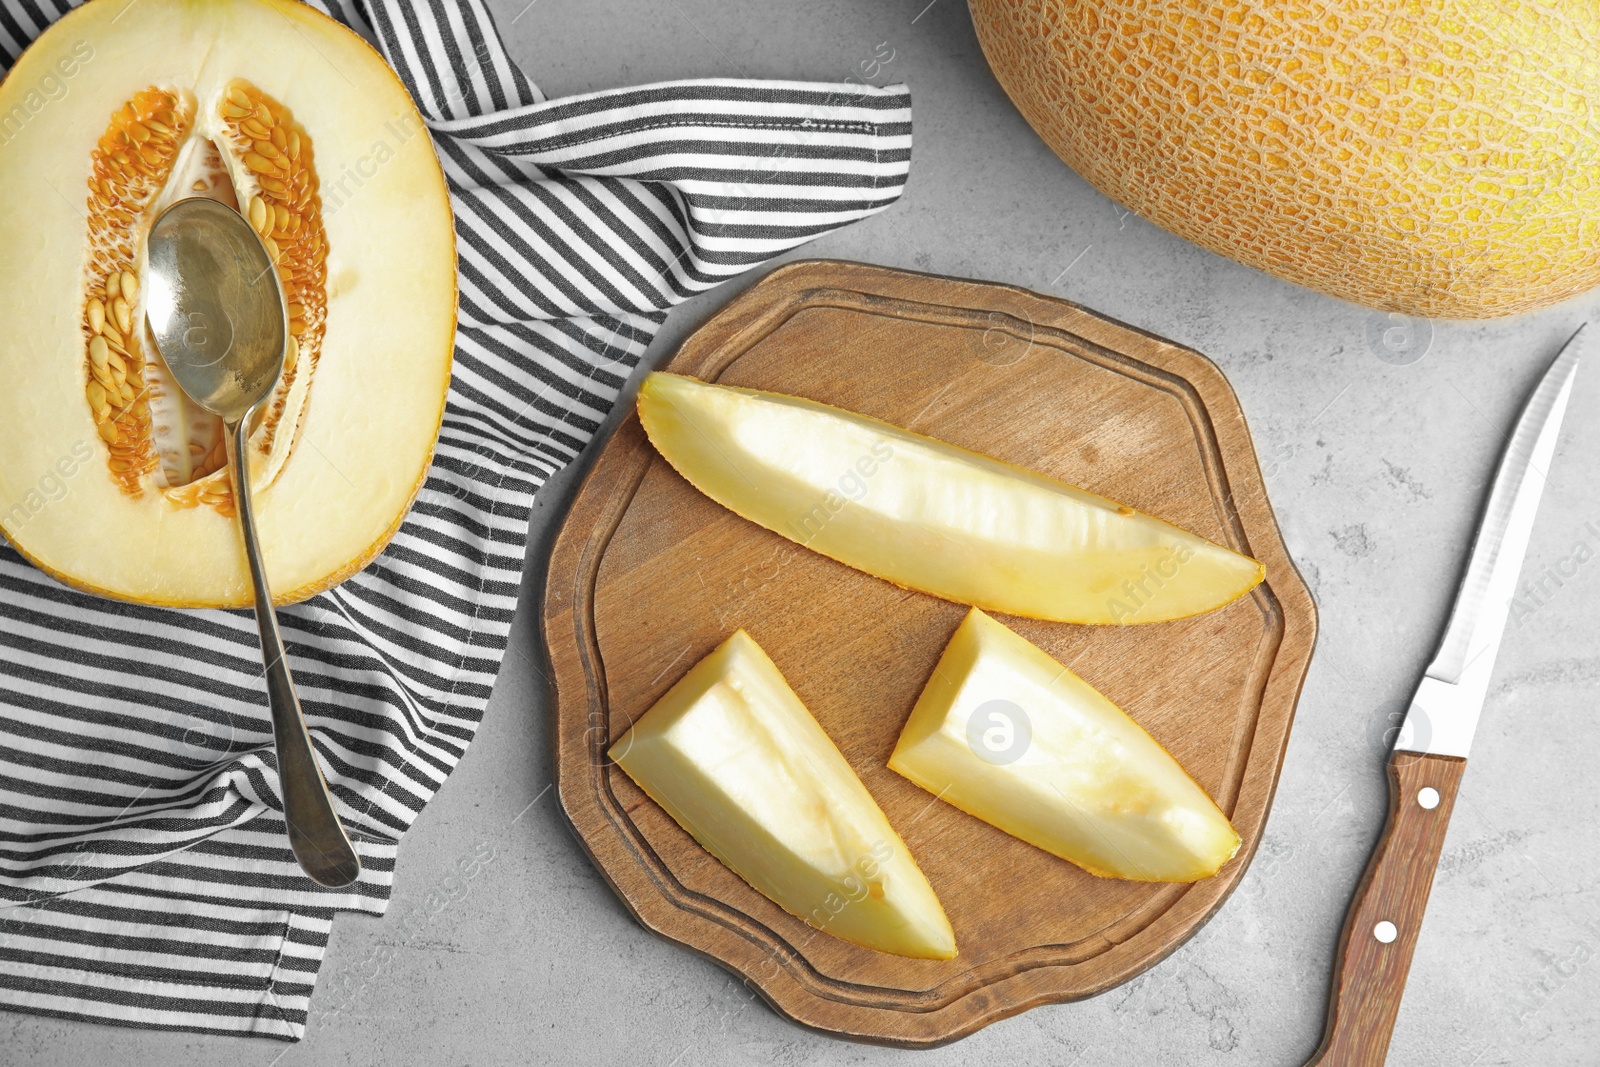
736 759
1053 762
929 516
110 478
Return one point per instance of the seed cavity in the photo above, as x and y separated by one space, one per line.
122 186
246 150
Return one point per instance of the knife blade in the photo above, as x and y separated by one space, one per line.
1430 754
1444 712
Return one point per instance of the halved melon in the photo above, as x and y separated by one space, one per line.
110 479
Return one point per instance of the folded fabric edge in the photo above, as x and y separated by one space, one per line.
831 96
214 981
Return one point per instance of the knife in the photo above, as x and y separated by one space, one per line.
1430 753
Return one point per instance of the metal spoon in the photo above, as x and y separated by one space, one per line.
216 309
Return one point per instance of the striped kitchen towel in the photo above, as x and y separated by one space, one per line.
144 874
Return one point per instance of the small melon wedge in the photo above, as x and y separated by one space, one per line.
736 759
929 516
1007 734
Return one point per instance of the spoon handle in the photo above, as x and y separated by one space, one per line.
315 834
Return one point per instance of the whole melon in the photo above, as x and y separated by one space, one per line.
1434 157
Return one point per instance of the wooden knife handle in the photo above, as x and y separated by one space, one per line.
1370 972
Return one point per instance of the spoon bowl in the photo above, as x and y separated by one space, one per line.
216 309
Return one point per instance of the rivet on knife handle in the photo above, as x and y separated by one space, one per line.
1381 930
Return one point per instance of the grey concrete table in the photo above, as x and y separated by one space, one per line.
1376 471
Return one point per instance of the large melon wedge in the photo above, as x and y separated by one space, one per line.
929 516
1007 734
734 756
109 478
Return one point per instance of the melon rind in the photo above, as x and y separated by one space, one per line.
1436 159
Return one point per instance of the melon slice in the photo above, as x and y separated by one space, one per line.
736 759
111 479
929 516
1007 734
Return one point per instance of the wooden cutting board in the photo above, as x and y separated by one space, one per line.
647 576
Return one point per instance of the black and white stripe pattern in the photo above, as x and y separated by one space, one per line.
144 875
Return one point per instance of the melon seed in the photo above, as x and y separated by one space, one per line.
258 214
123 314
97 318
